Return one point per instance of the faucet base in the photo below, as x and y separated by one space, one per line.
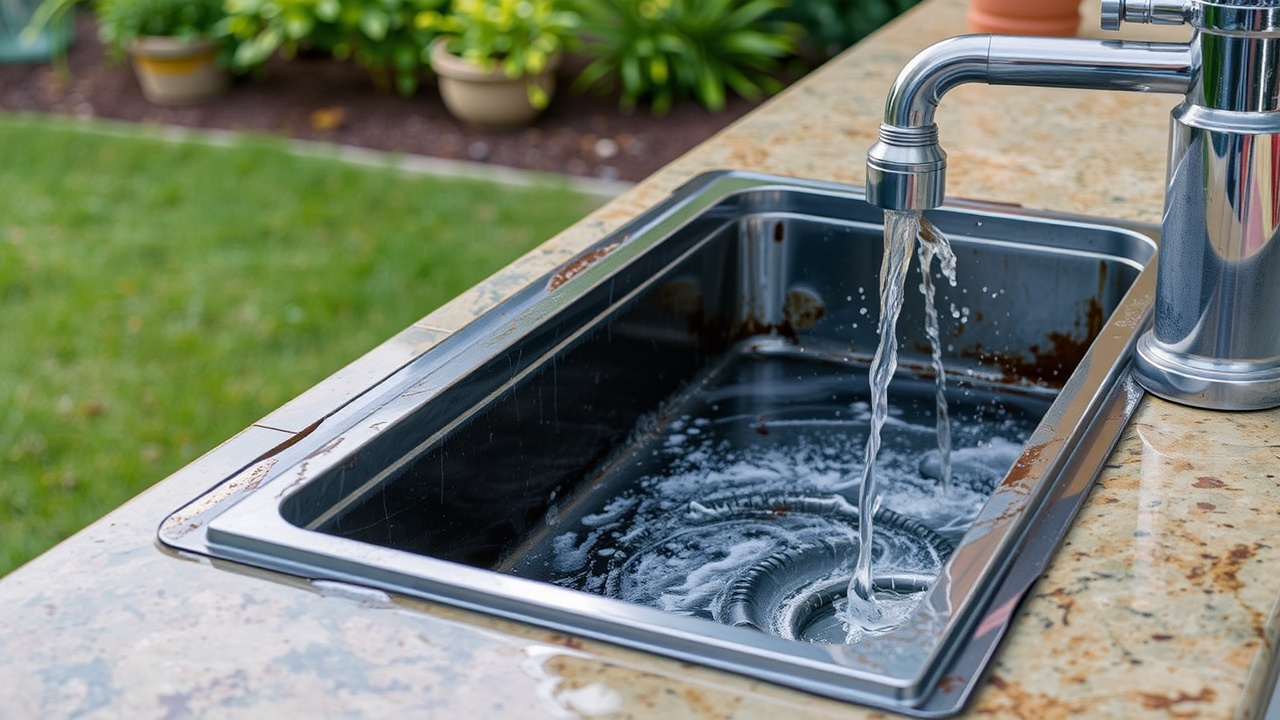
1205 383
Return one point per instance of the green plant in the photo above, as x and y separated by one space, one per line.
663 50
379 35
520 36
830 26
120 22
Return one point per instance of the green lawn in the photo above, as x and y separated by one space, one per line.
158 297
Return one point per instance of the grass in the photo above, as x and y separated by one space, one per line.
158 297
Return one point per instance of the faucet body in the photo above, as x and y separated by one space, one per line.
1215 339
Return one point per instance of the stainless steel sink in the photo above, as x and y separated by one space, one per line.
658 444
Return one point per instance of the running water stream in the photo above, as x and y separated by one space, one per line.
934 244
870 611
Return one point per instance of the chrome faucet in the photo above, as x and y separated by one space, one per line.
1215 340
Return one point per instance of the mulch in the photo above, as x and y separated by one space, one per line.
329 101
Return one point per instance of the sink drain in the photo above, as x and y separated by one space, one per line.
800 593
773 562
685 561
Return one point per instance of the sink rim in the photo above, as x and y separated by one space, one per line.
249 528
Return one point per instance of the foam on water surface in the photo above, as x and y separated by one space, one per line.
758 462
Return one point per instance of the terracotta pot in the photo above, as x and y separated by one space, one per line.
1025 17
173 71
488 98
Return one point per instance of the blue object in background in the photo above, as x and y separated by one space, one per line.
16 47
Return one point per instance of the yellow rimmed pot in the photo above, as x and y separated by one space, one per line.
178 71
487 97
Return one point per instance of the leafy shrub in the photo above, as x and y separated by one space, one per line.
662 50
520 36
379 35
122 21
830 26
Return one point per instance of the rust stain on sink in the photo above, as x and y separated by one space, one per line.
579 264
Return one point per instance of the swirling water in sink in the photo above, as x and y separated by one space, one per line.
751 480
752 503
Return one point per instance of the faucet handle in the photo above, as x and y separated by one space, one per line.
1151 12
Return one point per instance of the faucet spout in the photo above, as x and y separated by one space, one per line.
906 168
1215 337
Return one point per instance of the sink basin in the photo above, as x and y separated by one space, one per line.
659 444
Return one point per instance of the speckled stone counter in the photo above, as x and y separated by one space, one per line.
1162 601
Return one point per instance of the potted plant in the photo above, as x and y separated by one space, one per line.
169 42
496 59
381 36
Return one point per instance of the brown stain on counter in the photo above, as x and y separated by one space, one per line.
1065 603
1208 483
1171 703
1223 575
1007 698
1223 570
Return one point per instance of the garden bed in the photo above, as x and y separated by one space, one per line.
325 100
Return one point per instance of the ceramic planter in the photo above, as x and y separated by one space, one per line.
173 71
1025 17
488 98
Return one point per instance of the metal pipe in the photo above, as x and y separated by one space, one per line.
1038 62
906 169
1215 341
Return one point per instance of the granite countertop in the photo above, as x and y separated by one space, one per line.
1161 602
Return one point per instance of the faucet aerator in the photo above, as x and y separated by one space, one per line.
906 169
